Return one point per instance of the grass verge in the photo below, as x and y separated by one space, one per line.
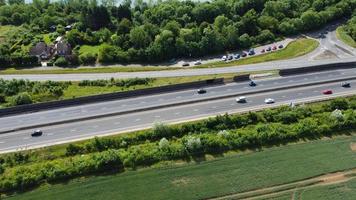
296 48
229 174
344 37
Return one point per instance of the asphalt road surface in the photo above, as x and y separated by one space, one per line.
132 104
85 129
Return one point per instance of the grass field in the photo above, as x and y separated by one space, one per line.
46 38
343 36
229 174
294 49
89 49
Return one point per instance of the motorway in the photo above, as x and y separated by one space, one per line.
150 102
108 125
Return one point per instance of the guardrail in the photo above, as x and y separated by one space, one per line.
317 68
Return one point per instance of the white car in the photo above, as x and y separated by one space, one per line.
198 62
224 58
241 99
269 100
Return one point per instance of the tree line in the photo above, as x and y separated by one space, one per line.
137 31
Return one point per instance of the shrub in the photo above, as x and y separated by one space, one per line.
21 99
87 58
192 144
2 98
163 144
61 62
161 129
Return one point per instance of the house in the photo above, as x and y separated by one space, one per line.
63 48
58 39
41 50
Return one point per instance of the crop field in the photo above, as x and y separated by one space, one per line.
225 175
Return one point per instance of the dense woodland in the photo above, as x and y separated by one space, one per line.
136 31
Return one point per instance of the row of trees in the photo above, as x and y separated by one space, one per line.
261 134
350 28
140 31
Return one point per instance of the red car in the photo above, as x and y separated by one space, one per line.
274 48
262 51
327 92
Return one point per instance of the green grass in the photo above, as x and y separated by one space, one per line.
231 174
89 49
343 36
294 49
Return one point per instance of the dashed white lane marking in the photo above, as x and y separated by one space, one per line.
160 99
143 102
305 79
232 104
177 113
136 120
195 110
284 96
95 126
26 138
73 130
245 87
157 116
2 142
49 133
229 89
123 105
214 107
300 93
117 123
178 97
290 81
315 91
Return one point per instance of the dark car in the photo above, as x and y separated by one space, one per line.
274 48
201 91
269 49
251 52
230 57
237 56
36 133
185 64
263 51
252 84
244 54
281 46
346 84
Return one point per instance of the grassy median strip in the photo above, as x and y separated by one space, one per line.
221 176
343 36
296 48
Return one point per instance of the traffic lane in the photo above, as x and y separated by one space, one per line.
38 118
85 129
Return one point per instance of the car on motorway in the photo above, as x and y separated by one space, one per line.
237 56
269 49
252 84
346 84
281 46
269 101
327 92
36 133
185 64
198 62
201 91
241 99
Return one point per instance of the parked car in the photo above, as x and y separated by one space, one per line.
263 51
224 58
201 91
251 52
198 62
244 54
241 99
252 84
230 57
281 46
346 84
274 48
237 56
185 64
36 133
269 49
327 92
269 101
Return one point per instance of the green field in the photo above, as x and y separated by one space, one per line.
89 49
294 49
229 174
343 36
